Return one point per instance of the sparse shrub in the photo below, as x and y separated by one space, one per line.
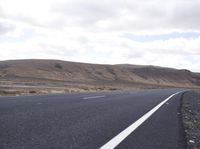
59 66
32 92
8 92
113 89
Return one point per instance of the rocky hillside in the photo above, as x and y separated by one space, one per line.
58 73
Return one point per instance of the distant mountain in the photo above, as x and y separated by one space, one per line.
63 73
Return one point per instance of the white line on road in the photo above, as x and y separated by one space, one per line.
92 97
122 135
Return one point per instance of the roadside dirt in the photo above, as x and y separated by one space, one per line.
191 118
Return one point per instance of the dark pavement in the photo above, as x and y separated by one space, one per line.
89 120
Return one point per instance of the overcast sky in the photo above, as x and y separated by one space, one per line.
146 32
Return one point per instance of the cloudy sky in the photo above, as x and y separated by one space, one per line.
146 32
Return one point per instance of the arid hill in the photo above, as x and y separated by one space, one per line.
54 73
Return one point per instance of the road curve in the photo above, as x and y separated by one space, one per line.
90 120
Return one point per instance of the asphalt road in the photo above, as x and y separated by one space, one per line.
90 120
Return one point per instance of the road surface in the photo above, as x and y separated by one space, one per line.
91 120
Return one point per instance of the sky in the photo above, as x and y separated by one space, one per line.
144 32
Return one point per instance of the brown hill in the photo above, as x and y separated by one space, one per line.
62 73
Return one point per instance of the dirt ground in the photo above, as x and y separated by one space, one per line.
191 118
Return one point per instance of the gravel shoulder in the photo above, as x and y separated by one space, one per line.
191 118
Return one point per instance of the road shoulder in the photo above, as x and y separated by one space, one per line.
191 118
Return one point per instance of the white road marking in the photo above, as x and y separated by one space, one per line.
92 97
122 135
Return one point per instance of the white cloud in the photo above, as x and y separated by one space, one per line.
92 31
